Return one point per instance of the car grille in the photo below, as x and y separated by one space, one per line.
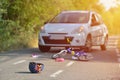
47 40
59 33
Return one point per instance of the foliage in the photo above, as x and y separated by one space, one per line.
20 20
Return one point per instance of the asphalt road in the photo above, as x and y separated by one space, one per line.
104 66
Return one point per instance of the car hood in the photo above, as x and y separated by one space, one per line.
63 28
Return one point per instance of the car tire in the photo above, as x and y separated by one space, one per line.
44 48
103 47
88 44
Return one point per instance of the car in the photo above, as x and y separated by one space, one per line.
73 29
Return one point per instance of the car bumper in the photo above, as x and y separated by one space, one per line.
60 40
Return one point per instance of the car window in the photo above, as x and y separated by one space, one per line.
71 18
99 18
95 20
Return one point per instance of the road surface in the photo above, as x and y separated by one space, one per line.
104 66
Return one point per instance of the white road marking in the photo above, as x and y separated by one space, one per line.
18 62
118 52
69 64
116 42
56 73
119 65
112 44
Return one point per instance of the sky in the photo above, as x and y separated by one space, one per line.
109 3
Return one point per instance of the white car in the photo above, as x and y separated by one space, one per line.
74 29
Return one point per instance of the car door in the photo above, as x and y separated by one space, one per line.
96 29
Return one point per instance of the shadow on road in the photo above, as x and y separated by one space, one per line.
23 72
108 56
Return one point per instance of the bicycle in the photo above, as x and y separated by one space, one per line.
77 55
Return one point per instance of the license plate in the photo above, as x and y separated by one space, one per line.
56 37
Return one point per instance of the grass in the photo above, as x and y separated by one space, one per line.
33 42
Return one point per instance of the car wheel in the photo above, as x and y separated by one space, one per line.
103 47
88 44
44 48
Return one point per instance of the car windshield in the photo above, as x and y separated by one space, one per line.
71 18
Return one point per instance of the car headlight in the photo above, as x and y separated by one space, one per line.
78 30
42 29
